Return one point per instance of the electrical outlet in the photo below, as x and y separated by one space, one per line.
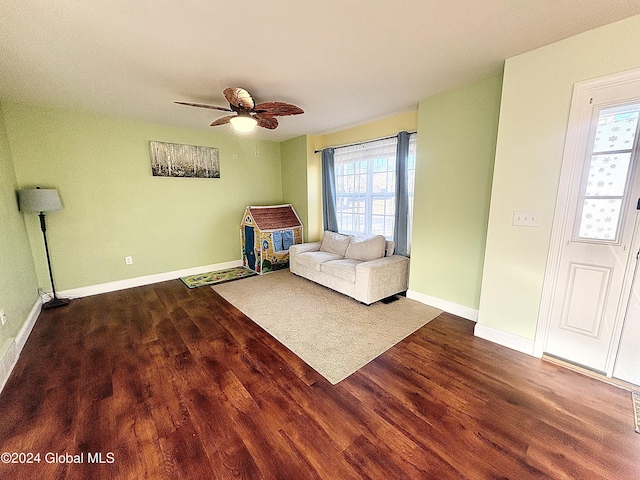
128 260
525 219
3 317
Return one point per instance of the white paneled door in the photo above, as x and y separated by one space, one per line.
600 240
627 362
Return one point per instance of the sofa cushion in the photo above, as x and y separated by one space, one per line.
366 249
335 243
344 269
313 260
390 248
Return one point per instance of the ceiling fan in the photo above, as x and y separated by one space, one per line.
246 113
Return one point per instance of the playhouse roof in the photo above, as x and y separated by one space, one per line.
275 217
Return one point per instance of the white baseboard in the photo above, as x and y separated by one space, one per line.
10 350
505 339
8 359
445 305
482 331
145 280
25 331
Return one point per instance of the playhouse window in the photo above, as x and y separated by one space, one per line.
282 240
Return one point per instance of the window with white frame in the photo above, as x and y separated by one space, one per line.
606 182
365 176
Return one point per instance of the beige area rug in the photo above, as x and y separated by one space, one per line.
332 333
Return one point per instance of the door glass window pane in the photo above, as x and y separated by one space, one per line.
600 218
606 181
608 175
616 129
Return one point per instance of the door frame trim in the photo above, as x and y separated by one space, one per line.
580 106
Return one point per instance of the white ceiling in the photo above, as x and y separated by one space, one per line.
344 62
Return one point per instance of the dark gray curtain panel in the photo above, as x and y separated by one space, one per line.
401 224
329 217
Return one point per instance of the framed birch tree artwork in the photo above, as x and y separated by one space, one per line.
177 160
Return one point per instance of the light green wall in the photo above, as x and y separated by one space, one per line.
534 112
455 154
314 189
114 207
294 177
18 285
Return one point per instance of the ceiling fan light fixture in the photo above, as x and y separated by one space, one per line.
245 114
243 123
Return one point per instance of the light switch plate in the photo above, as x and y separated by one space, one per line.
525 219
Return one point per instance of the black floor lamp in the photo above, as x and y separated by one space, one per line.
43 200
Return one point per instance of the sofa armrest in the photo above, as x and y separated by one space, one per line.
381 278
304 247
294 250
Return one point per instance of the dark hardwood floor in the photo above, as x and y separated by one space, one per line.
166 382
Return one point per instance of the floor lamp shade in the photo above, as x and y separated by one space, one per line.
43 200
39 200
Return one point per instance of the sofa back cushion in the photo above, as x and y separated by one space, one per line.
390 248
366 249
335 243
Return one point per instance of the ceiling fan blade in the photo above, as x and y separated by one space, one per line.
280 109
266 121
222 120
202 105
239 97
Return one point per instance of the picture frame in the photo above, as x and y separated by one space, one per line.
186 161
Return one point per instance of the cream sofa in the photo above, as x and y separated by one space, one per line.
363 268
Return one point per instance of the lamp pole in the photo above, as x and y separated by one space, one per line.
55 301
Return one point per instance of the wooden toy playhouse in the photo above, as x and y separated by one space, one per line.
267 233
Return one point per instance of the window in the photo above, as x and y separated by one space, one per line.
607 177
282 240
365 177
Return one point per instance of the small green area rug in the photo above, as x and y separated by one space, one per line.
219 276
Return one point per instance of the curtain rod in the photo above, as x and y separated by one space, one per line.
366 141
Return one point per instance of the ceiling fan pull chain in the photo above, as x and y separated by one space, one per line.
235 145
